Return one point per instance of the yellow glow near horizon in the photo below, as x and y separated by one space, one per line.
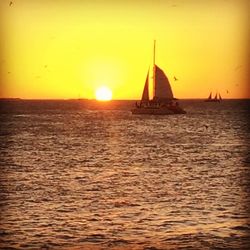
103 94
64 49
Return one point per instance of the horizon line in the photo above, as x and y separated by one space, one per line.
88 99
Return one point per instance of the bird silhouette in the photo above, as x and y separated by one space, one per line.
10 3
175 78
227 91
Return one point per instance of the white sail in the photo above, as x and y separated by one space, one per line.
162 88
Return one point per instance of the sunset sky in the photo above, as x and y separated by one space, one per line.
67 49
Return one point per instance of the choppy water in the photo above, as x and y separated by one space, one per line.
81 175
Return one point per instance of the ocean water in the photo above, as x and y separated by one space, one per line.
89 175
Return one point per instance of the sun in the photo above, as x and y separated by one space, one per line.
103 94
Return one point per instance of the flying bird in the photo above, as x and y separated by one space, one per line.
227 91
175 78
10 3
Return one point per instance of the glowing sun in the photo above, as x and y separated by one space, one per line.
103 94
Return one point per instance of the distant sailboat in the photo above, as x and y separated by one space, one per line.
162 102
217 98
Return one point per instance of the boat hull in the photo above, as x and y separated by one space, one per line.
213 100
157 111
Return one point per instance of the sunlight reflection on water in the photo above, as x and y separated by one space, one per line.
73 176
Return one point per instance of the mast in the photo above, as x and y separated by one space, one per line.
154 71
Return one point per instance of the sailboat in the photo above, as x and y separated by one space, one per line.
163 101
217 98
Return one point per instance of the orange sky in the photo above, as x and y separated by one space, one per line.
67 49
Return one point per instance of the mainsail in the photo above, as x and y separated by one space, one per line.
145 94
210 96
162 88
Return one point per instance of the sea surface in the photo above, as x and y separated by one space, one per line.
80 174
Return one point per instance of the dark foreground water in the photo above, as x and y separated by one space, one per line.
87 175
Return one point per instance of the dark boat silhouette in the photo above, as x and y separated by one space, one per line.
217 98
163 101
